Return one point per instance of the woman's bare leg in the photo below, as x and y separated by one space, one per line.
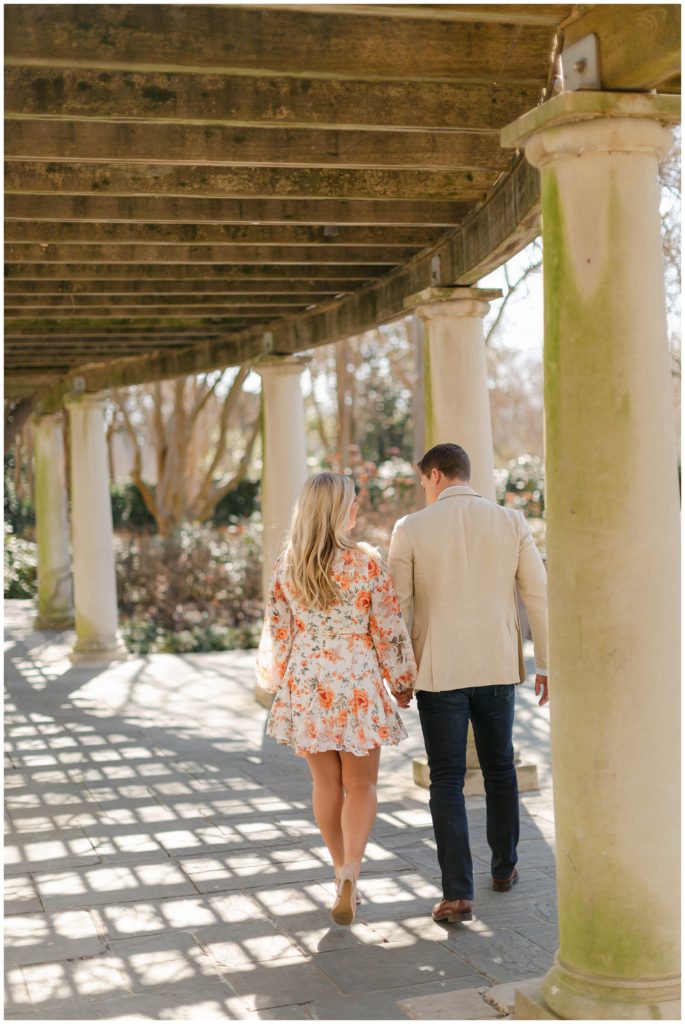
327 801
359 778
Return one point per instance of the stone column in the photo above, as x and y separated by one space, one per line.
612 555
457 401
457 409
97 639
55 602
284 461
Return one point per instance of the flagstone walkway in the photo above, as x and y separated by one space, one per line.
162 862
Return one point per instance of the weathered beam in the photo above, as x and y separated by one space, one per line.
55 304
639 43
120 326
124 290
116 142
218 234
508 219
200 311
31 252
269 100
175 210
513 14
207 271
22 177
221 37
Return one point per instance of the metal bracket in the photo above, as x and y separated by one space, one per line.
78 385
580 65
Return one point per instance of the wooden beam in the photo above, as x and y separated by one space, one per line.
31 252
221 273
199 311
512 14
122 290
222 37
218 234
174 210
639 44
22 177
279 101
90 327
82 303
116 142
508 219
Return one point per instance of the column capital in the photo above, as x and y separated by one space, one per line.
581 123
84 398
39 418
458 301
282 366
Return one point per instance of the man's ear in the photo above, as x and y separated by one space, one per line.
435 474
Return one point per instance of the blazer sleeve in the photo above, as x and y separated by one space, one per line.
531 580
277 636
390 636
401 566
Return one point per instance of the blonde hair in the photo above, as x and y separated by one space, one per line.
316 535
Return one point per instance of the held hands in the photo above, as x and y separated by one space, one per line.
542 689
404 699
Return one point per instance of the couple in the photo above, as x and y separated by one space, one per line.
334 632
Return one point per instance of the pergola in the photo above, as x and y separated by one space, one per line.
194 187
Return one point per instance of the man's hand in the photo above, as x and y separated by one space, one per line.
404 699
542 687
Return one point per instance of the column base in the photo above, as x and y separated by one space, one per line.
263 697
574 995
526 774
529 1003
94 653
44 621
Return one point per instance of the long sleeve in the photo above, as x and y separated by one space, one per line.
401 566
277 637
531 580
390 636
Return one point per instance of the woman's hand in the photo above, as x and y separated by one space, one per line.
404 699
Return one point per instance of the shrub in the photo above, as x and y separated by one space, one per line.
128 507
199 590
21 562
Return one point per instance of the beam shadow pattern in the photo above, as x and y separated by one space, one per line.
162 861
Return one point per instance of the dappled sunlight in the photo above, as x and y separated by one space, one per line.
163 858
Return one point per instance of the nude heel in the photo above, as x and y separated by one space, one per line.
345 906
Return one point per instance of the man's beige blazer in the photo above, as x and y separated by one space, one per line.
455 565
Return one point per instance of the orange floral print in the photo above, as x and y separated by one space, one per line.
326 697
329 670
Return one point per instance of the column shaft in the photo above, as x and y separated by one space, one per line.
612 547
457 401
55 603
97 640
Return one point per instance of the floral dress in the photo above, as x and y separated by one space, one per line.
327 668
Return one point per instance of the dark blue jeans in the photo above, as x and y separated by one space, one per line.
444 721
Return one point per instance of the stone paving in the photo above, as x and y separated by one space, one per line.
162 862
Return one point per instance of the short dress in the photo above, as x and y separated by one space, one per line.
327 668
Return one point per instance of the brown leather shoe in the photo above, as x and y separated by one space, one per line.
505 884
452 911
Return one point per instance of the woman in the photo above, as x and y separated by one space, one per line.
332 633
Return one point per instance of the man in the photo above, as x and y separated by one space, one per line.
455 566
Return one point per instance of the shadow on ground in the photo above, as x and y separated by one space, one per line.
162 862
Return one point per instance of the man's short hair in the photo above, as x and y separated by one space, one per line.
450 459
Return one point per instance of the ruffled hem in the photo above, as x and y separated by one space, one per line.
349 741
358 751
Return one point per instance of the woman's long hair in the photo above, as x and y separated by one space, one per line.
316 535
